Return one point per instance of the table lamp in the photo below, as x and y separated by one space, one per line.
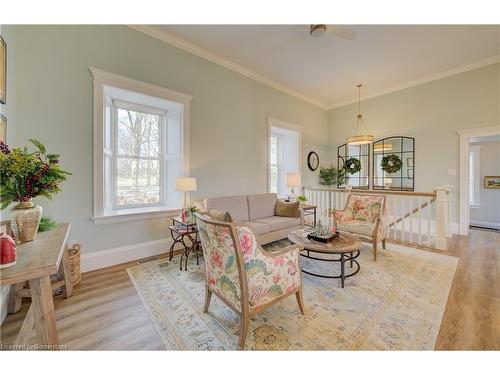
293 181
185 184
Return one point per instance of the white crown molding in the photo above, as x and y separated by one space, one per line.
447 73
175 41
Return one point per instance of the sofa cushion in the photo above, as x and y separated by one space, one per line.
236 206
287 209
257 228
261 205
364 228
279 222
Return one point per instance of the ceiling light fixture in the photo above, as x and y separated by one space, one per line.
360 139
317 30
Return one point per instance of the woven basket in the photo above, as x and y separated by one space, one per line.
74 264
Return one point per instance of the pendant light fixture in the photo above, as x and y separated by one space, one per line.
360 139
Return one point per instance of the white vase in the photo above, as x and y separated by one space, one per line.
28 217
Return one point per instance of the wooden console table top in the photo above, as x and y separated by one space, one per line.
38 258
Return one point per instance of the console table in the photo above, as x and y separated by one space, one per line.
36 261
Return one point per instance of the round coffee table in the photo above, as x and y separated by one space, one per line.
346 246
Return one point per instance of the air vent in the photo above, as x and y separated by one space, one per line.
146 260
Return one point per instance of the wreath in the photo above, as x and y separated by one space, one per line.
352 165
391 163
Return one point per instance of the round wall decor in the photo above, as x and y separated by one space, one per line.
313 161
391 163
352 165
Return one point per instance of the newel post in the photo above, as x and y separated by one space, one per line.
441 218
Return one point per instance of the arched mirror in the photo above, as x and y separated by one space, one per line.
355 159
394 164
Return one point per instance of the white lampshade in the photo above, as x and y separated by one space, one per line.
293 180
185 184
360 139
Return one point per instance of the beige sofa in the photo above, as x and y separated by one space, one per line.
257 212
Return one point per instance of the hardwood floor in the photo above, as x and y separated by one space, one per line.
472 317
106 313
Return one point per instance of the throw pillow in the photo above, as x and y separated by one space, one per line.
221 215
287 209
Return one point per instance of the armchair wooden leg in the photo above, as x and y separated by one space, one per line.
244 322
300 302
383 244
374 250
208 297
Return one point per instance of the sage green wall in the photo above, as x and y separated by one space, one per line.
432 113
228 118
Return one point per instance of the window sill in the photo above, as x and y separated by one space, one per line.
134 215
475 206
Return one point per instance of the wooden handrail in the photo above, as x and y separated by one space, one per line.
378 192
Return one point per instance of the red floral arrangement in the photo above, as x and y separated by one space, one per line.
25 175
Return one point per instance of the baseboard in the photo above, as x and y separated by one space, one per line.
487 224
118 255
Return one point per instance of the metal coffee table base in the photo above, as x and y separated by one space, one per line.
344 257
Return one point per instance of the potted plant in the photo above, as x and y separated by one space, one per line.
330 176
302 199
190 210
25 175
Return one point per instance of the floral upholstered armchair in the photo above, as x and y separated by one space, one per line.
364 215
242 274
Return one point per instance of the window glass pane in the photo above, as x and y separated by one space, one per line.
138 133
273 172
137 182
274 150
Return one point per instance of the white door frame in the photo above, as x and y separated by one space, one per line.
465 137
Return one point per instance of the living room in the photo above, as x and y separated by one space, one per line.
168 148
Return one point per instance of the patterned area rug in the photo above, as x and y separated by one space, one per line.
396 303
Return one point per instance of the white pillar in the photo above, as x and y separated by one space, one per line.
441 218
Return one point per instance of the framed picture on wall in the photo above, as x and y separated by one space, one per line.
3 71
3 128
492 182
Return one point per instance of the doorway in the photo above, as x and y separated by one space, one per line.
475 195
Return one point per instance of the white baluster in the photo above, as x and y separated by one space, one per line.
393 216
428 222
411 219
403 212
419 220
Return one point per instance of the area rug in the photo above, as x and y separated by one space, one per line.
396 303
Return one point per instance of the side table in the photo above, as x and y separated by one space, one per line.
309 209
179 230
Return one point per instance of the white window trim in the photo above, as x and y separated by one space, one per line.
102 78
272 122
476 149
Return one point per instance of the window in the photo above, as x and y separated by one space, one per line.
284 155
140 148
474 176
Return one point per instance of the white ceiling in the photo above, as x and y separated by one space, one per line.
325 70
